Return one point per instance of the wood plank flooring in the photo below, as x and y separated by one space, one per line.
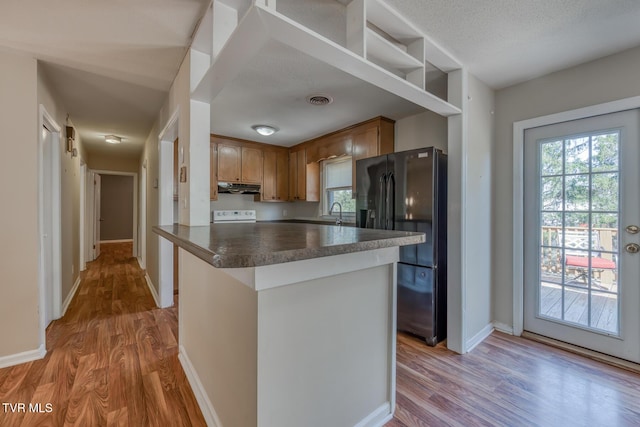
112 360
510 381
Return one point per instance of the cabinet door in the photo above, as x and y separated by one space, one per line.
251 165
365 145
293 174
282 175
229 163
301 175
213 172
269 176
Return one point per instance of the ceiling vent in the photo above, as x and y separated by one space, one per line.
319 100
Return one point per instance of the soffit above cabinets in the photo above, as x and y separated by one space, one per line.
269 66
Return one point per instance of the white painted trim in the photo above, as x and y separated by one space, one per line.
261 25
135 202
378 418
83 194
519 128
208 411
69 298
503 327
117 241
165 207
24 357
479 337
152 289
45 119
142 228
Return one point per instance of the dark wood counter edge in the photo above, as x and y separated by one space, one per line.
282 257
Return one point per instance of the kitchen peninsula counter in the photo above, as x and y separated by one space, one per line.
289 324
266 243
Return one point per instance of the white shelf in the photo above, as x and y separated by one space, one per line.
382 50
391 22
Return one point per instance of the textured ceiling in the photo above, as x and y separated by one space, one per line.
504 42
111 62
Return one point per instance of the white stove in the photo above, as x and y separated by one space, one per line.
231 216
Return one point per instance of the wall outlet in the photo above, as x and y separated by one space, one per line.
284 212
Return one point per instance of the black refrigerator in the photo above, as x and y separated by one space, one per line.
408 191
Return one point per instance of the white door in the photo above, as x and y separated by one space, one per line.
582 209
47 243
97 217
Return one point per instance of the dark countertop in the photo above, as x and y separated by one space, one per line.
265 243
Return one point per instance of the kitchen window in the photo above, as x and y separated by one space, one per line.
336 186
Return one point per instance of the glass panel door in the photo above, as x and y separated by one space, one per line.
581 185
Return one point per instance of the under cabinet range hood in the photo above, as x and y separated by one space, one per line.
237 188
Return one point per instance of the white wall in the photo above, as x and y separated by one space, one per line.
19 319
426 129
606 79
480 134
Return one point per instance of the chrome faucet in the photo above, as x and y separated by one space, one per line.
339 220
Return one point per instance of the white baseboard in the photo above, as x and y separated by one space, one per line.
140 263
378 418
152 289
479 337
24 357
208 412
117 241
503 327
69 298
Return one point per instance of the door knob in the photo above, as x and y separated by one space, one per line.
632 229
632 248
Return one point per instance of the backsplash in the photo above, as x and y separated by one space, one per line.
266 211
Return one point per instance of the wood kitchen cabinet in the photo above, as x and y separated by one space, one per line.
229 162
238 161
275 178
371 139
304 179
251 165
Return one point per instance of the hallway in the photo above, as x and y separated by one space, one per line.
112 360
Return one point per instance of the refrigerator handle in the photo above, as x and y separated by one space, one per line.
390 201
381 202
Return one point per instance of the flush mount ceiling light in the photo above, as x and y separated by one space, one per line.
264 130
112 139
319 99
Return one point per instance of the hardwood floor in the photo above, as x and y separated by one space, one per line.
112 360
510 381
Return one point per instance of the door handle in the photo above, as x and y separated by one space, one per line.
632 248
390 201
632 229
381 202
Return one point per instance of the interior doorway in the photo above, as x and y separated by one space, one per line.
49 221
119 227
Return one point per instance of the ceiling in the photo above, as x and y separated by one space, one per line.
112 63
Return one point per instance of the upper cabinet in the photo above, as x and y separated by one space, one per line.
275 179
237 162
371 139
229 162
251 165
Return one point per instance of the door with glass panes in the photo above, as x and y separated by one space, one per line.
582 211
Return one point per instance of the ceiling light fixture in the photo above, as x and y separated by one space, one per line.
112 139
264 130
